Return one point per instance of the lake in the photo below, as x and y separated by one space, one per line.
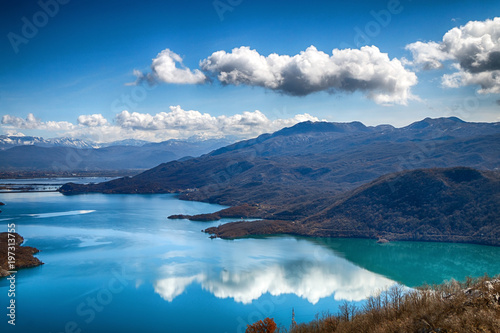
45 184
115 263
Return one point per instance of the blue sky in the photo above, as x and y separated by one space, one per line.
75 73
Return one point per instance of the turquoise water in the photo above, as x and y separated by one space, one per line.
115 263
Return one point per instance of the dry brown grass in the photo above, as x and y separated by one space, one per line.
470 306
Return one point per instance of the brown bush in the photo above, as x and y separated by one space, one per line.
266 326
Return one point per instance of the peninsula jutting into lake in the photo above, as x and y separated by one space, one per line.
23 255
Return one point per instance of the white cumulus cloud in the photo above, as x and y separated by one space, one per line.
475 51
367 70
92 120
168 67
430 54
31 122
177 118
174 124
247 124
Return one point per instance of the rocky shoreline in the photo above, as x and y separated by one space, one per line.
24 255
244 211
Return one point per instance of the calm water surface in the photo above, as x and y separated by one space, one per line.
115 263
45 184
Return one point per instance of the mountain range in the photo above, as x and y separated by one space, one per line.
9 141
299 175
316 157
25 153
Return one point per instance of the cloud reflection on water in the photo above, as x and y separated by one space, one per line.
311 278
242 270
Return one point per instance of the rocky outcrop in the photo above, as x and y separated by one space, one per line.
238 212
24 255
